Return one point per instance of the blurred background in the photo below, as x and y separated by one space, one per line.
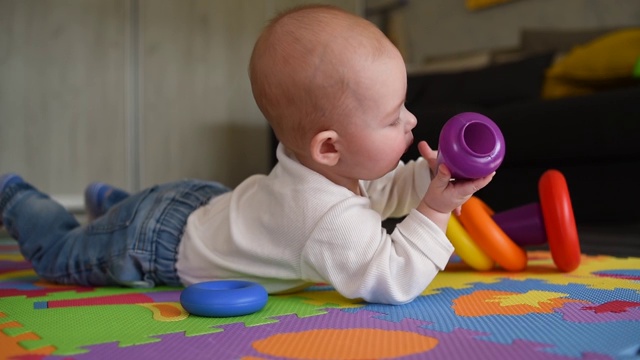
136 92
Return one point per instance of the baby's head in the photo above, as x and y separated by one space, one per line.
317 68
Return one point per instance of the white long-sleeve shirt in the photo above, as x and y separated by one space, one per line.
293 228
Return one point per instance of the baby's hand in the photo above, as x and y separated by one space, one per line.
443 195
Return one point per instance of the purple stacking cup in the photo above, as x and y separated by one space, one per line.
471 145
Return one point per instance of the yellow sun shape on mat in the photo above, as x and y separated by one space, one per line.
490 302
531 298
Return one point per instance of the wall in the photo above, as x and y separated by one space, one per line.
62 91
131 92
135 92
433 28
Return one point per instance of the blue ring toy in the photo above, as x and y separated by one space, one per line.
223 298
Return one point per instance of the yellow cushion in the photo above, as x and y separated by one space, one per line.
604 62
481 4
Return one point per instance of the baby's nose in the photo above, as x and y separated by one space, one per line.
411 122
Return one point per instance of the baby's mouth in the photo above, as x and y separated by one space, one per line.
408 145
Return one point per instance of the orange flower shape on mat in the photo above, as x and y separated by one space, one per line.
345 344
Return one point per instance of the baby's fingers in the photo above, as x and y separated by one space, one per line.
468 188
429 154
442 178
426 151
474 185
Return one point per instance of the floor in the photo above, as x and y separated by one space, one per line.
622 240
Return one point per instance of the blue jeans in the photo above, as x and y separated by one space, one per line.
133 244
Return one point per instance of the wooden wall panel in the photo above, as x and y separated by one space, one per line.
62 91
195 89
199 118
132 92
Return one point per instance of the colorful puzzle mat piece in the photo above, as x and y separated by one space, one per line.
591 313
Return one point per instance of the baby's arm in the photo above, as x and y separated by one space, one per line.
443 195
348 249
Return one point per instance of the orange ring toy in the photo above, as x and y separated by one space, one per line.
559 221
476 219
466 248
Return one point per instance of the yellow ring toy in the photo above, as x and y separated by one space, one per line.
466 248
476 219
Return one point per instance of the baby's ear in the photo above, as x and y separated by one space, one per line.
323 148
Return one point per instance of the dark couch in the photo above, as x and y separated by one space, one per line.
594 140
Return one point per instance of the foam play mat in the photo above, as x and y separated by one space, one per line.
540 313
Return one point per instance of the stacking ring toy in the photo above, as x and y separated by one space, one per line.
549 221
559 221
466 248
476 219
223 298
471 145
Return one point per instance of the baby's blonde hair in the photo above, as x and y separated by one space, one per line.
301 67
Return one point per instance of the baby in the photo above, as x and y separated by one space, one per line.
332 87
